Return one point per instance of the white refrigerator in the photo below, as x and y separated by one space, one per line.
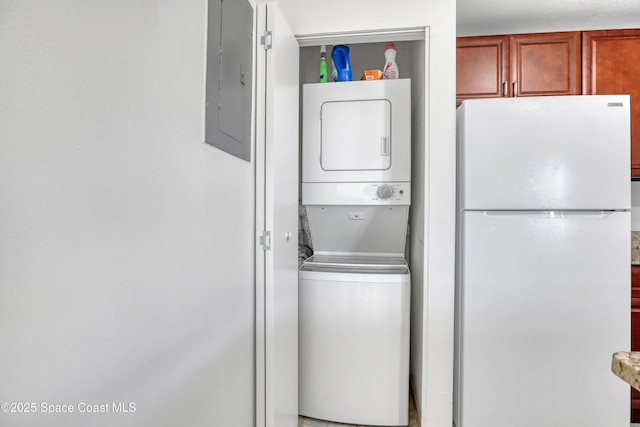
543 262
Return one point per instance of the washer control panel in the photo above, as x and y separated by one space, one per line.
384 192
391 192
356 193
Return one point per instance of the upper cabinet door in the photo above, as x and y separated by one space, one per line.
545 64
518 65
482 67
611 65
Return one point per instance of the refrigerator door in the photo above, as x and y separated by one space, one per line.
566 152
543 304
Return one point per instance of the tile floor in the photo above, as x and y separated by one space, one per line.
311 422
413 420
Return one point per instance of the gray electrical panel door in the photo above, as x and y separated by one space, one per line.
229 76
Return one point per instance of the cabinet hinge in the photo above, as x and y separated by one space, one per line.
267 40
265 240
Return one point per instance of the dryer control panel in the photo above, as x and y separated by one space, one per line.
395 191
356 193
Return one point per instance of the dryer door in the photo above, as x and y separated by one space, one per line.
355 135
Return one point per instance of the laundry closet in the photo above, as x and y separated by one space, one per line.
362 180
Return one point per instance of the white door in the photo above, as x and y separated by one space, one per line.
544 303
548 152
277 215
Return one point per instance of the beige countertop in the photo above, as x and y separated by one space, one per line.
626 365
635 247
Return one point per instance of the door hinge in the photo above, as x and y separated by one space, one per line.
267 40
265 240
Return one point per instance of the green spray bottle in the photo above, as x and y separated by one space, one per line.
323 64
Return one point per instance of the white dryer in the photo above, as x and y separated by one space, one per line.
354 292
356 132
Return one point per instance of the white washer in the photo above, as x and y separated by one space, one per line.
354 340
354 315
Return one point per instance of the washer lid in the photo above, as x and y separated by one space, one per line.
358 260
356 264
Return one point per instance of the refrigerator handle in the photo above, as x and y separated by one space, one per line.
553 214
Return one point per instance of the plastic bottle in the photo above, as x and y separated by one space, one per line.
323 64
390 69
340 56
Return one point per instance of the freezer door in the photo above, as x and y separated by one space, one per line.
543 303
565 152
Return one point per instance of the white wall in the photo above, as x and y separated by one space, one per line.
436 245
510 17
126 244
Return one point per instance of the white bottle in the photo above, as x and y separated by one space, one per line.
390 69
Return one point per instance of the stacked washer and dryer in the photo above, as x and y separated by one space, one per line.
354 292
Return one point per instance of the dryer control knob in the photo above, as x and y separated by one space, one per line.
385 192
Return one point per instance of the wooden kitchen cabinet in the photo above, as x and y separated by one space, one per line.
546 64
482 67
611 65
518 65
635 335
